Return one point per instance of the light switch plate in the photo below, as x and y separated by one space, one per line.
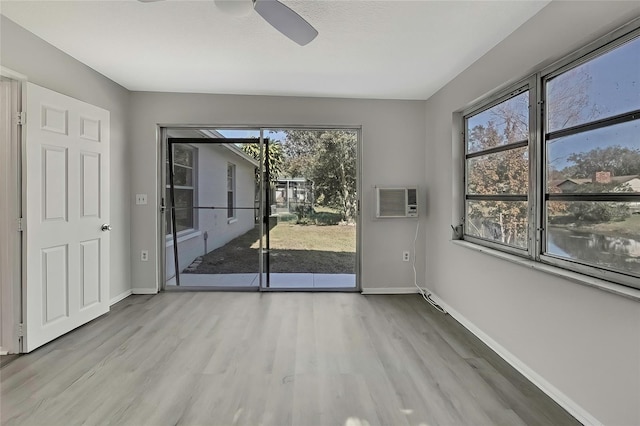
141 199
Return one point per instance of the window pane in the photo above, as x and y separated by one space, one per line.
183 155
500 221
184 205
605 86
182 176
504 172
230 173
604 234
505 123
230 206
601 160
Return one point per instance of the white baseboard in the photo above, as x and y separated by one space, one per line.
582 415
119 297
390 290
142 290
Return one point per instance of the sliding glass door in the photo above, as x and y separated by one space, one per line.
312 208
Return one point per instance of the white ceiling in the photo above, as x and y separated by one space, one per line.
366 49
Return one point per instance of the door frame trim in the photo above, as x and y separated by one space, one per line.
161 134
12 279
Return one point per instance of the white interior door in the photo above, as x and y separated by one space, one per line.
66 205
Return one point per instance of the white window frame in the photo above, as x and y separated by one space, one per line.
502 96
193 187
536 84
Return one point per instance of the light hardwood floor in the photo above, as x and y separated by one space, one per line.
270 359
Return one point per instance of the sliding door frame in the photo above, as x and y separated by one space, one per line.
162 143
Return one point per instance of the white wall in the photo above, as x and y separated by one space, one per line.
583 341
393 154
212 191
43 64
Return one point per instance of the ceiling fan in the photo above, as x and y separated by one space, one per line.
279 15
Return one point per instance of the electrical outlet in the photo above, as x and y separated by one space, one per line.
141 199
144 255
405 256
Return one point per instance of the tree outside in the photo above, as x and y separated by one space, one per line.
571 167
502 173
592 164
328 159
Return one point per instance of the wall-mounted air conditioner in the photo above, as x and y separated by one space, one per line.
396 202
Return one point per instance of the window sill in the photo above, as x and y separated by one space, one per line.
603 285
232 220
183 237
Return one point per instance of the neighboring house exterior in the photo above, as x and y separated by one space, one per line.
628 183
223 176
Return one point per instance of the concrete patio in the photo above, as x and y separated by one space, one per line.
277 280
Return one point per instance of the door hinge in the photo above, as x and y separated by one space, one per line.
20 330
20 225
21 118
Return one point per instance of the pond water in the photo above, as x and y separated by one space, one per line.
608 251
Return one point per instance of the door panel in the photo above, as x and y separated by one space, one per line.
312 198
66 202
55 282
90 184
54 183
212 207
90 272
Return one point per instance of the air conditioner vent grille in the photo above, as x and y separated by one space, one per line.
392 202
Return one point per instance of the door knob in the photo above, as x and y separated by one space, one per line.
106 227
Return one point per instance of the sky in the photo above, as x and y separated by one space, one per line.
614 89
252 133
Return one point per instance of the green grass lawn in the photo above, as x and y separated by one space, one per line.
326 249
335 238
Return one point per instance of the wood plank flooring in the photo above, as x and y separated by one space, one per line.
270 359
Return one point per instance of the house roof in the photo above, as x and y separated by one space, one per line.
577 181
293 179
623 179
211 134
582 181
237 151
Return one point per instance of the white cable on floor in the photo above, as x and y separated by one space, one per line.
425 294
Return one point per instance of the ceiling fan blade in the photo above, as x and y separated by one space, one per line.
285 20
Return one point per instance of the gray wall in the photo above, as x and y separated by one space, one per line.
393 150
42 64
583 341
